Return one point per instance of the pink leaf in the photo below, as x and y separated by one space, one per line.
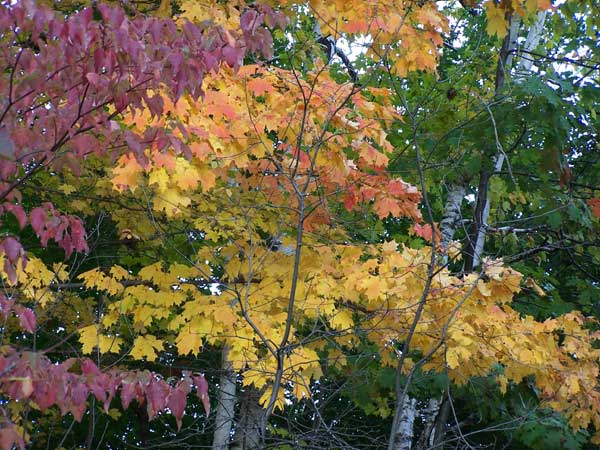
94 79
18 212
129 392
156 397
249 21
177 400
27 319
37 218
202 392
9 436
12 248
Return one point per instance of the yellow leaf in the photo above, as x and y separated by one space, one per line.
144 315
503 382
225 315
96 279
110 319
452 359
186 175
109 344
91 338
164 9
152 273
118 273
279 401
170 201
342 320
160 178
35 274
531 284
573 384
188 342
60 271
146 347
67 188
88 337
496 20
114 413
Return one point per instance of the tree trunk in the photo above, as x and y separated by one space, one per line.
403 434
474 247
504 64
251 423
452 214
429 417
456 192
226 406
531 43
436 439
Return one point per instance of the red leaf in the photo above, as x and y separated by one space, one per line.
12 248
249 21
88 367
177 401
18 212
10 271
202 392
9 436
156 397
94 79
424 231
45 394
37 217
130 391
594 204
27 319
350 200
6 306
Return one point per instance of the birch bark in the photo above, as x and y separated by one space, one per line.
226 407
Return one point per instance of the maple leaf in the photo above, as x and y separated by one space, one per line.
177 400
27 318
342 320
202 392
160 178
146 347
88 336
259 86
424 231
496 20
188 341
594 204
127 174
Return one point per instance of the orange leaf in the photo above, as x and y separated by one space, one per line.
594 204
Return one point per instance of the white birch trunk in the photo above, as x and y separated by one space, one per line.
452 214
524 66
429 417
403 435
226 407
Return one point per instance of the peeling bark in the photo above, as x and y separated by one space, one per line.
226 407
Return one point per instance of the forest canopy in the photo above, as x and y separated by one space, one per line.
299 225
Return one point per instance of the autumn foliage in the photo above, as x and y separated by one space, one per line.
228 181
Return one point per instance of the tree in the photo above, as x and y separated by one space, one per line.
246 212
